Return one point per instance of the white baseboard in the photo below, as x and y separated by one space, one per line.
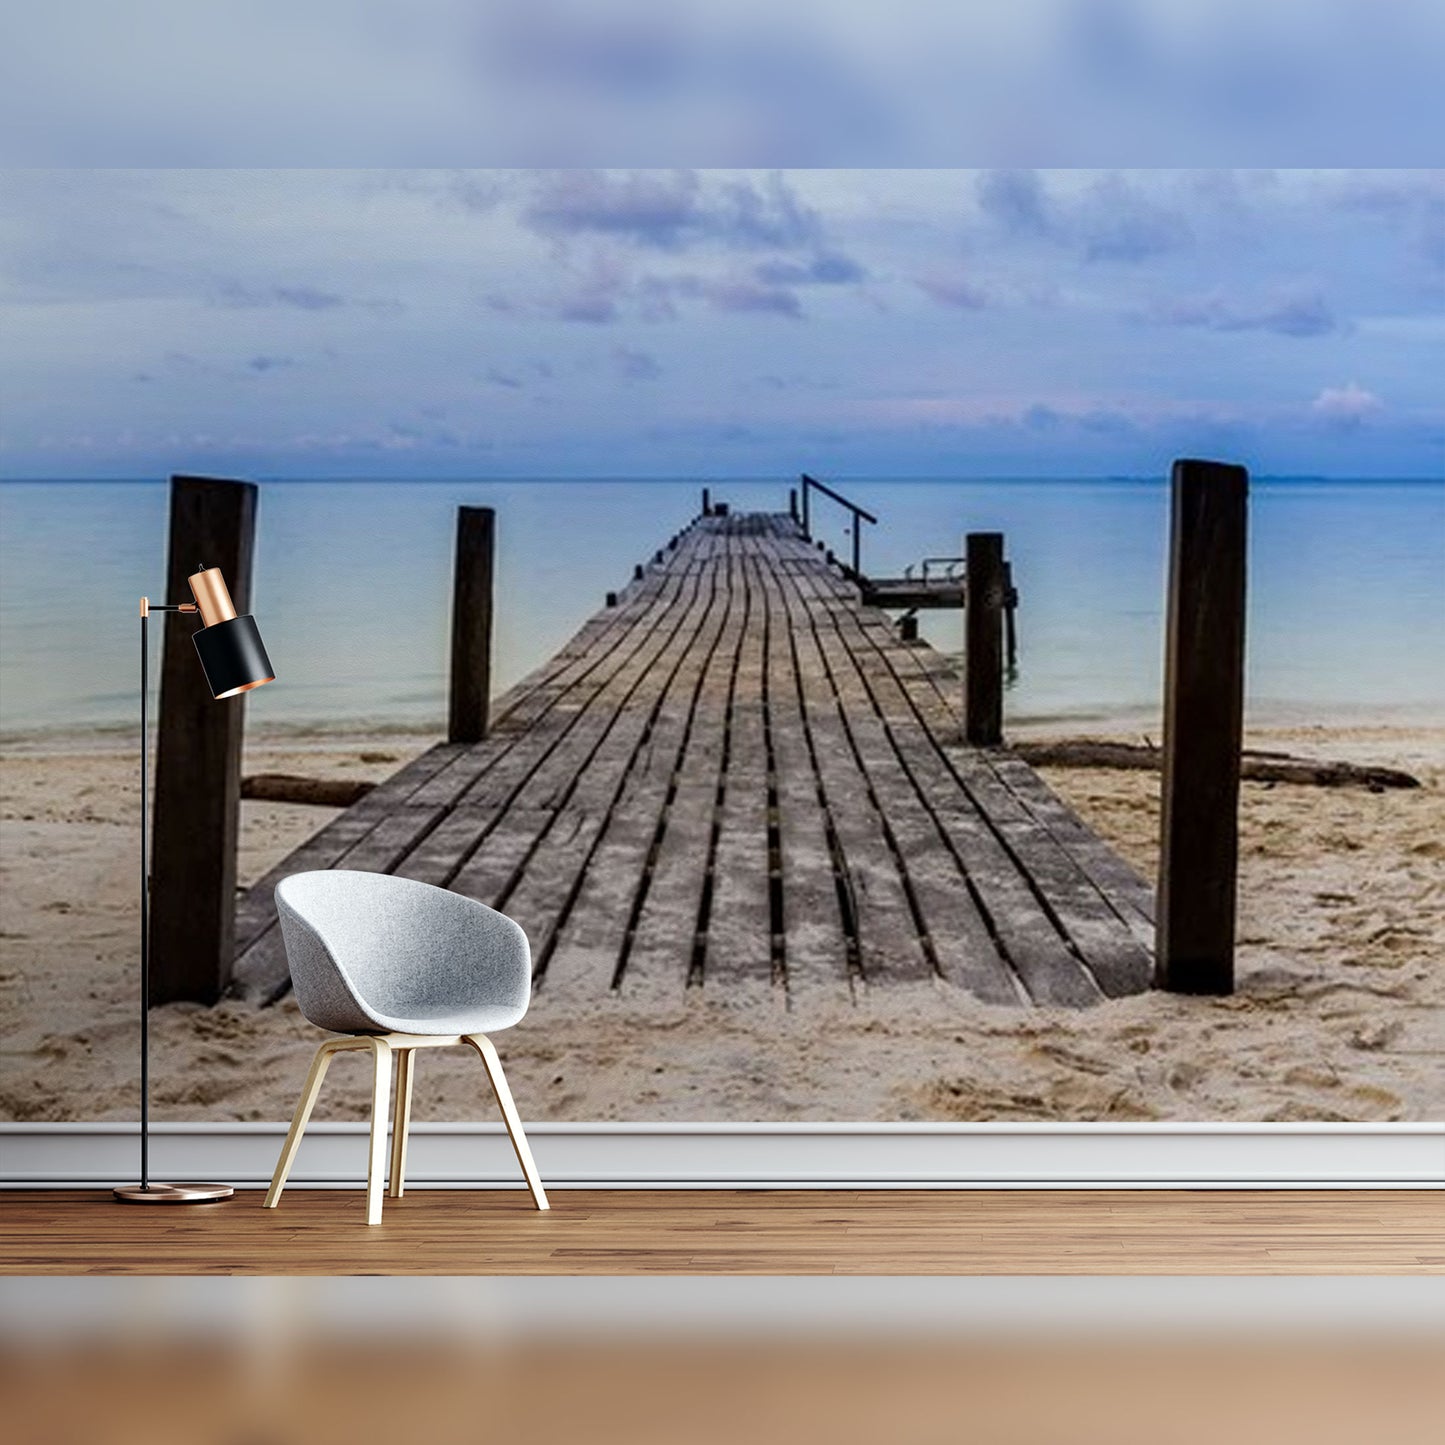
792 1156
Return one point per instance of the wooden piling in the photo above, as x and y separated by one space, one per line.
198 755
706 502
471 662
793 503
1203 724
637 573
1010 624
983 639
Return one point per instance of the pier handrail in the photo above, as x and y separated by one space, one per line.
859 513
952 567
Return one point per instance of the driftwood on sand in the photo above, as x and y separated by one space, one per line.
1258 766
289 788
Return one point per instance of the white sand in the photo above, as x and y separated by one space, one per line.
1340 1014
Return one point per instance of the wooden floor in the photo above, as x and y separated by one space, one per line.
608 1232
739 778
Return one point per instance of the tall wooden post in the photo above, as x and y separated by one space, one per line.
198 755
793 503
471 666
706 502
807 514
1203 725
983 639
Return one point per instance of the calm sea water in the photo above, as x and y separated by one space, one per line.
352 590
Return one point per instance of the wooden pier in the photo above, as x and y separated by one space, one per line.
740 779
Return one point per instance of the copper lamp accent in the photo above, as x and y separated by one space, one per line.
213 597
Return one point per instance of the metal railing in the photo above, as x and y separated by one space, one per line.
810 485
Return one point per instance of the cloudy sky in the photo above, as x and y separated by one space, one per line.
534 323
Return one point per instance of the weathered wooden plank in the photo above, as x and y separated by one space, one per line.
1101 876
431 784
738 944
447 771
1032 943
1062 891
571 720
815 945
961 945
889 945
658 961
646 728
589 946
597 747
1119 963
1125 890
739 777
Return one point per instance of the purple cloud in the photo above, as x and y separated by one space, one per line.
1117 222
302 298
742 295
954 291
1112 221
1016 201
671 210
1293 312
635 365
828 269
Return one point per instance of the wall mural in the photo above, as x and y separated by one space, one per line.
756 587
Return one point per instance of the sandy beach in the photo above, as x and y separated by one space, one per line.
1340 1012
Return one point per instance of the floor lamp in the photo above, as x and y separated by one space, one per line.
234 661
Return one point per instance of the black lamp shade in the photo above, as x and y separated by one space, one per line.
233 656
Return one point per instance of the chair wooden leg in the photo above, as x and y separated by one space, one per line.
307 1102
380 1092
401 1125
484 1046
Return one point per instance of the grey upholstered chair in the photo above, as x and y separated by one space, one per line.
392 966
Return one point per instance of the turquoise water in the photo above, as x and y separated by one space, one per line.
352 589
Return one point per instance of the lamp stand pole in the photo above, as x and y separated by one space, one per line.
145 1192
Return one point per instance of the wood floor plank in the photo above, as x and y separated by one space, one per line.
968 1232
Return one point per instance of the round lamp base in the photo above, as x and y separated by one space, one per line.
173 1193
